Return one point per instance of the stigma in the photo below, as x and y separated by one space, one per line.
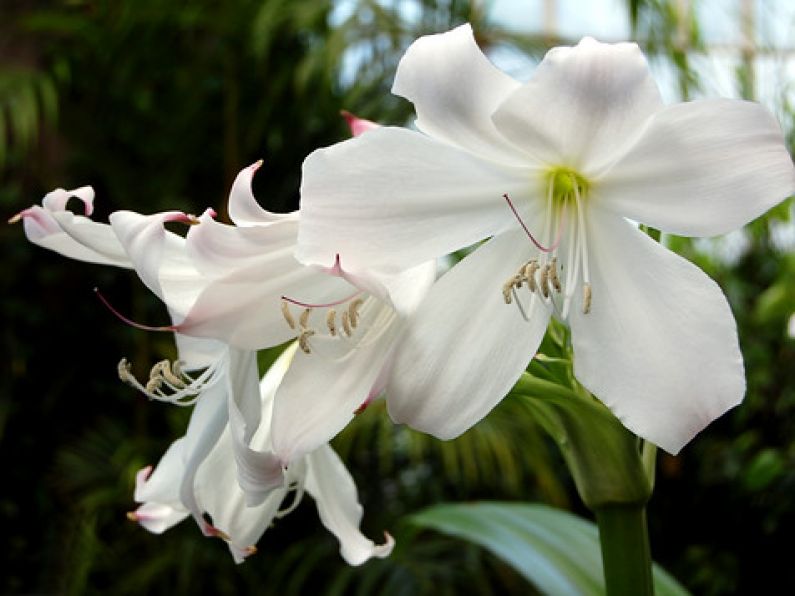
558 268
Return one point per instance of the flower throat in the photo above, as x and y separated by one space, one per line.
564 219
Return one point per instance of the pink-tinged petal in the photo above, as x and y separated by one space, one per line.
583 105
157 517
659 346
464 347
393 199
701 168
197 352
243 207
455 89
322 390
249 270
57 199
358 125
332 487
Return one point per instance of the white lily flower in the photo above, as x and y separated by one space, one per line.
195 475
237 284
550 170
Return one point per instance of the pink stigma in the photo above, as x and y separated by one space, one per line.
326 305
539 246
130 322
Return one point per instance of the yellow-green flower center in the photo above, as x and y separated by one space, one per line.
562 182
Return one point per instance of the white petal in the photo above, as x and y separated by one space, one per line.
57 199
158 491
250 269
701 168
159 257
659 346
455 90
243 207
258 471
84 242
392 199
322 390
332 487
197 352
464 347
582 105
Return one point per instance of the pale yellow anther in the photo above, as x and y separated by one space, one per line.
530 274
153 384
586 298
331 322
353 312
507 290
287 315
303 340
346 323
124 369
544 282
303 322
553 275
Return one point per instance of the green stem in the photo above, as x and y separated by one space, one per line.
626 556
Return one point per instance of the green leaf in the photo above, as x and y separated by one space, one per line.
554 550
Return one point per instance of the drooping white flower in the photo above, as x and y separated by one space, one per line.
237 284
196 474
549 172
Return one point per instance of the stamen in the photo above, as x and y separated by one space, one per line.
287 316
303 340
530 274
130 322
304 320
331 322
538 245
168 383
346 323
586 298
353 312
553 275
507 290
544 283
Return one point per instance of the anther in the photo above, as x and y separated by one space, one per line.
304 320
124 369
346 323
507 291
353 312
530 274
544 283
586 298
331 322
303 340
553 275
287 315
153 384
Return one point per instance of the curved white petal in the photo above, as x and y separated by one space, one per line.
332 487
72 236
322 390
455 89
701 168
249 270
158 491
243 207
464 347
160 257
197 352
392 199
659 346
258 471
583 104
57 199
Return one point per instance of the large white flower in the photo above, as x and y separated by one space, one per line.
195 475
549 172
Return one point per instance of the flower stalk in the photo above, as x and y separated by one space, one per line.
626 555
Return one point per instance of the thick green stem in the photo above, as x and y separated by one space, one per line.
626 556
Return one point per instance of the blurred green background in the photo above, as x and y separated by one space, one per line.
158 105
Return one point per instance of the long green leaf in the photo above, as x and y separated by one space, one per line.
556 551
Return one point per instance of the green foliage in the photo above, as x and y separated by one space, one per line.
554 550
